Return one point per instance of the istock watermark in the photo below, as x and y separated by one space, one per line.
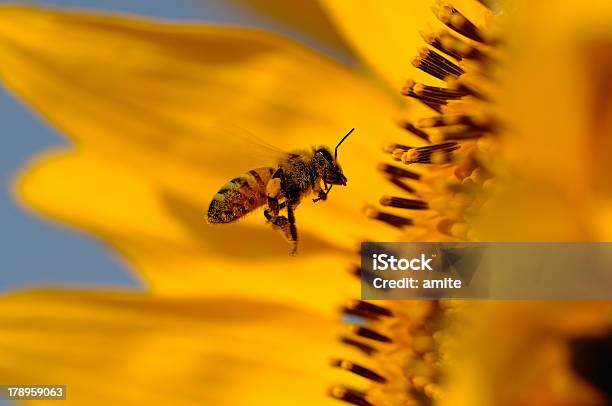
505 271
33 392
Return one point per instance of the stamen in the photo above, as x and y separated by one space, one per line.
459 135
391 219
431 96
456 21
390 148
438 93
441 61
398 153
360 313
462 85
352 396
432 103
492 5
369 308
370 334
398 172
365 348
402 185
452 228
461 54
403 203
356 271
358 370
446 146
456 45
436 65
474 121
434 40
416 131
437 153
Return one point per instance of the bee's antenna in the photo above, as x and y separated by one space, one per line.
341 141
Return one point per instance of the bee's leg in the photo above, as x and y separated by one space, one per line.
287 226
274 192
292 234
269 214
322 192
317 190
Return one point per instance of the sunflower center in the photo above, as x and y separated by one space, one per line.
441 178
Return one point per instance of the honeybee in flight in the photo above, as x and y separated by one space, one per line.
296 175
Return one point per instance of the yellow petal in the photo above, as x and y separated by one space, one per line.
386 33
128 86
165 238
140 98
134 349
304 16
147 94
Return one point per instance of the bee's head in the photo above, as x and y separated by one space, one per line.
327 167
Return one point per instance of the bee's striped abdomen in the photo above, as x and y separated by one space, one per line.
240 196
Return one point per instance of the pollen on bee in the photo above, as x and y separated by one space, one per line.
273 187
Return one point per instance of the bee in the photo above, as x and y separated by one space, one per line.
280 189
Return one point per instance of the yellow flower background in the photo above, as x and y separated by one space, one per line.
228 317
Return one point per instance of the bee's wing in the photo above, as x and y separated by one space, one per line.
238 150
223 151
231 138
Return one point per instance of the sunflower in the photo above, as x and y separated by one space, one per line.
474 122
